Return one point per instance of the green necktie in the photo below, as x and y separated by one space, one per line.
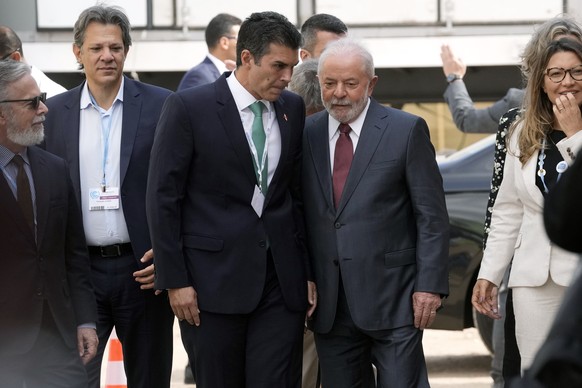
259 137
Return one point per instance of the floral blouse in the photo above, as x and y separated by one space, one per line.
498 163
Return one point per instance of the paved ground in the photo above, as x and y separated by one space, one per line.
455 359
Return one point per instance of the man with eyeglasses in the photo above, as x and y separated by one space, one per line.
11 48
221 37
47 325
105 128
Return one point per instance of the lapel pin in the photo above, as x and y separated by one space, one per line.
285 116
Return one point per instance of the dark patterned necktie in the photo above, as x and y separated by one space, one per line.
342 160
23 194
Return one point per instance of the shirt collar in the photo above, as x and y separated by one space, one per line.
6 156
218 63
86 97
356 125
242 97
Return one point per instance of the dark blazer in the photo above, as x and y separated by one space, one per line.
142 104
204 231
389 235
562 210
203 73
55 268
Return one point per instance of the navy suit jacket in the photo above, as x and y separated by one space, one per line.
389 234
54 268
204 231
142 104
203 73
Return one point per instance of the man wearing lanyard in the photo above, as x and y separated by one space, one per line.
104 128
225 214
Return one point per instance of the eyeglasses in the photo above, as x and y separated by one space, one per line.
34 101
9 54
230 37
557 74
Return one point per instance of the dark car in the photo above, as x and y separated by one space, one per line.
467 180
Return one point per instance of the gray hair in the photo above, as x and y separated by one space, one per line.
346 47
305 83
104 15
10 72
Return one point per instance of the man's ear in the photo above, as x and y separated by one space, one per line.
246 57
17 56
304 54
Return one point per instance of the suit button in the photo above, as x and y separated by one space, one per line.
262 244
336 262
337 225
38 292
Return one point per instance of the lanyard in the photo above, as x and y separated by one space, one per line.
260 165
561 167
105 131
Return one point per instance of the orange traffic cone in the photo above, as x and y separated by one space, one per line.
115 374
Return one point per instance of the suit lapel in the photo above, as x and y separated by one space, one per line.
71 138
528 171
318 141
373 129
230 117
42 190
132 102
284 129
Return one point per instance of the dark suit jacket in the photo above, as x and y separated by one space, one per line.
562 210
204 231
142 105
389 235
203 73
55 268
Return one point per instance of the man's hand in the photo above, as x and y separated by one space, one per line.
184 302
87 342
311 298
452 64
425 305
146 275
484 298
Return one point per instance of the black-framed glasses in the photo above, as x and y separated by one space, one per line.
557 74
9 54
34 101
230 37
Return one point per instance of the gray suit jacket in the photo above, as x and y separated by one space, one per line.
389 235
472 120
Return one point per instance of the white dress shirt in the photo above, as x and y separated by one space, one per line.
102 227
243 99
356 127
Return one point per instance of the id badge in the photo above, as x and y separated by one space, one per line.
104 200
258 201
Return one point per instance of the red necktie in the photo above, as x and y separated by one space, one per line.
23 194
342 160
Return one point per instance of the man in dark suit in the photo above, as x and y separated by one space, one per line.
105 128
317 31
223 205
47 325
377 228
221 36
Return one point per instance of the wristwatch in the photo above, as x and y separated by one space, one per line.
453 77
